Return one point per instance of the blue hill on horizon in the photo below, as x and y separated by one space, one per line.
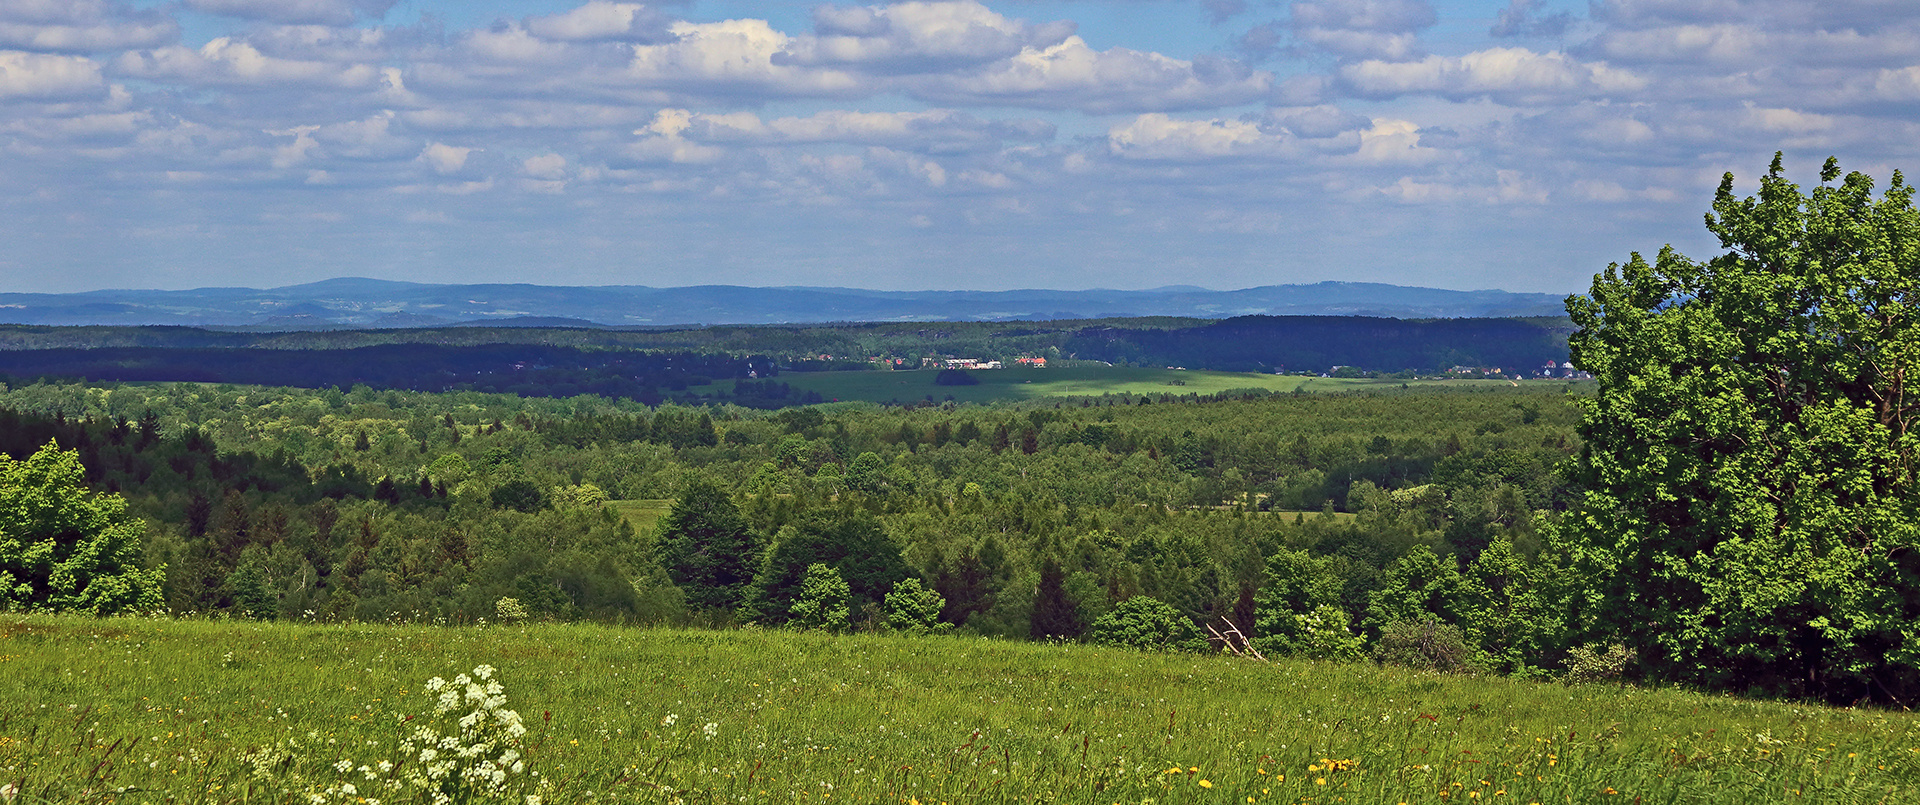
358 302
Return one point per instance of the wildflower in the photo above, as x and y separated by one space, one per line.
1206 784
711 729
669 719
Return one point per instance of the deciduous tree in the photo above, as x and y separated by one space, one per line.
1751 515
63 547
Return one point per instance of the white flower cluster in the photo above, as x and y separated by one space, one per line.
468 750
477 758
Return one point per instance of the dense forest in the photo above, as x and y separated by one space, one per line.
1030 520
648 365
538 370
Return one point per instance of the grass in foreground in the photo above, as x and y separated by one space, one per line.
150 710
1027 384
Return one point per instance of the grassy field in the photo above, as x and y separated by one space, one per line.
1024 383
130 710
641 514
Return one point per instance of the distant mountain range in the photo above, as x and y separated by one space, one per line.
355 303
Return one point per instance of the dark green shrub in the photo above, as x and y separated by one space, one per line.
1428 645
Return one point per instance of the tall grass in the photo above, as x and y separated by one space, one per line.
138 710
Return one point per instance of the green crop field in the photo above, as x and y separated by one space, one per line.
1024 383
134 710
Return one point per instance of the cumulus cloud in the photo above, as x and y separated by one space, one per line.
372 137
917 37
1157 136
1072 75
733 57
1380 29
321 12
82 26
936 131
323 43
602 21
229 61
545 166
1393 142
1315 122
445 159
40 75
1509 74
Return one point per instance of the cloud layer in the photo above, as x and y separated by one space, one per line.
951 143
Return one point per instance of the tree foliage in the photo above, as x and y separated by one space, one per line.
1145 623
1751 511
707 547
912 608
63 547
822 602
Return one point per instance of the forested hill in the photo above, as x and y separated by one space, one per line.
1277 343
646 365
354 302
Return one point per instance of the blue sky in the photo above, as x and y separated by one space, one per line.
1515 144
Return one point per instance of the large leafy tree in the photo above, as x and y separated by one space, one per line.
63 547
1750 513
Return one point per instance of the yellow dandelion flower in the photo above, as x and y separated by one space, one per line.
1319 781
1206 784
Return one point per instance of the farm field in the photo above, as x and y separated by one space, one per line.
1026 384
135 710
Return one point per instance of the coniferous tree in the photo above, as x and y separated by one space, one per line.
706 547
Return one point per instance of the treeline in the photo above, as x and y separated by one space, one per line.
523 369
1035 520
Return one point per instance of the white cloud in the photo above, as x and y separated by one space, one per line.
1072 75
1381 29
662 141
734 57
228 61
1317 122
545 166
602 21
322 12
81 26
39 75
368 138
1157 136
299 151
1514 75
514 44
1393 142
445 159
917 37
323 43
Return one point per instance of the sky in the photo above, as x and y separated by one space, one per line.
1513 144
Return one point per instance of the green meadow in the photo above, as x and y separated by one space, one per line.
1020 383
135 710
